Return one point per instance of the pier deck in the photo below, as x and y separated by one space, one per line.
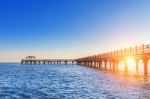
33 60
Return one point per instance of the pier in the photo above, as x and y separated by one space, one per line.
114 57
101 60
33 61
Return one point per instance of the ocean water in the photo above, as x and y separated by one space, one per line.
67 82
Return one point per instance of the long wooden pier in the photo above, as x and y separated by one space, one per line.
101 60
32 60
114 57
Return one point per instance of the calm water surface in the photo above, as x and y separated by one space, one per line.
67 82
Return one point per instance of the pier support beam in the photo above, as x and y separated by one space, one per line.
117 65
34 62
145 61
100 64
126 67
94 64
30 62
66 62
105 62
72 62
136 63
114 64
110 67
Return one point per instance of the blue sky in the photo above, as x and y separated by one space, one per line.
71 28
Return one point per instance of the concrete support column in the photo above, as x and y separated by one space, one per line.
34 62
94 64
105 64
66 62
110 65
137 68
145 61
126 67
117 63
100 64
113 63
97 64
91 63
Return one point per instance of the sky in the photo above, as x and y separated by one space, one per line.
71 28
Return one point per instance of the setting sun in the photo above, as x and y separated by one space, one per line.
131 64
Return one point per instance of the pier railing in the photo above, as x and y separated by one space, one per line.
132 51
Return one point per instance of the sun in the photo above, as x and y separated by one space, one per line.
131 64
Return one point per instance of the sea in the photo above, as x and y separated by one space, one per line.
68 82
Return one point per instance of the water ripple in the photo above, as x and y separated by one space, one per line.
66 82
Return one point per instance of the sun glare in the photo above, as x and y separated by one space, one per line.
131 64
